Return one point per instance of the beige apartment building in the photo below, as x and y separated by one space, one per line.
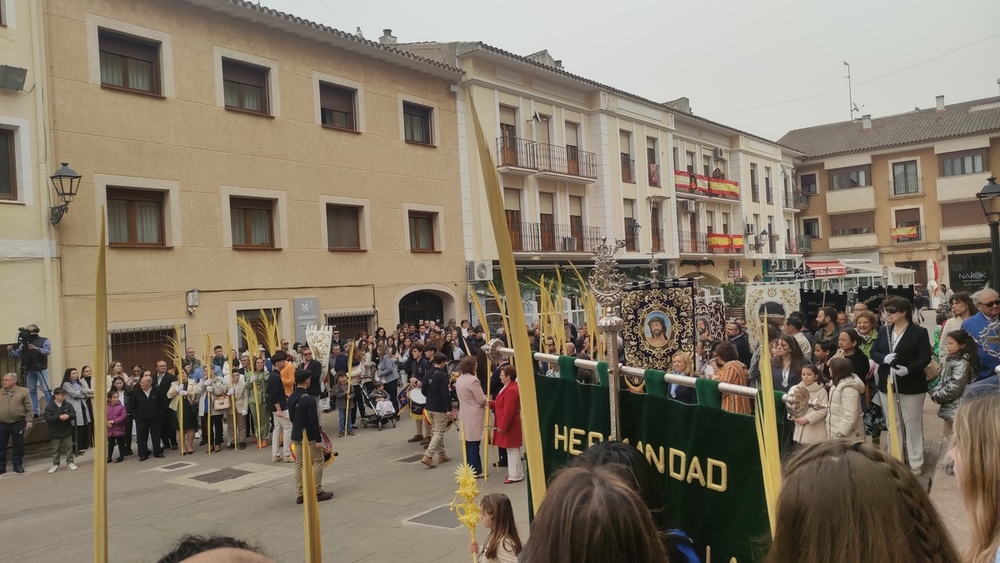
901 190
29 266
246 159
579 161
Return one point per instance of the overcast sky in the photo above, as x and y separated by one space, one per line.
726 56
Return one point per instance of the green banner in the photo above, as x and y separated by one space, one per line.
707 457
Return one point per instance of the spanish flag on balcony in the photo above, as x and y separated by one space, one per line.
682 180
724 188
737 240
904 232
718 241
701 184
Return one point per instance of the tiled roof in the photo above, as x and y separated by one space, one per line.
976 117
666 106
374 48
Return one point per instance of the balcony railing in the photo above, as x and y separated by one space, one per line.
654 175
628 169
905 186
565 160
697 184
711 243
755 192
853 231
549 237
517 152
798 245
657 235
800 199
909 233
769 192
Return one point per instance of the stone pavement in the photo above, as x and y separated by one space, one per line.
378 480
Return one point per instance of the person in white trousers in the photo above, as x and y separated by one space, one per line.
902 351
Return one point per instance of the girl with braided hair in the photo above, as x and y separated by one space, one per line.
976 453
847 501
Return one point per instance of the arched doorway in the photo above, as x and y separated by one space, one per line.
421 305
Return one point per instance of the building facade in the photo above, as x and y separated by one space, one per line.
579 161
247 160
901 190
29 266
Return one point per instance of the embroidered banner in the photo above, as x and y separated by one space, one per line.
707 460
659 322
775 300
709 320
812 300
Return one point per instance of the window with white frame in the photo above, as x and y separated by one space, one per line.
956 164
136 217
252 222
417 123
129 63
8 165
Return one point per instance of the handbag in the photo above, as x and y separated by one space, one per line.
932 370
221 403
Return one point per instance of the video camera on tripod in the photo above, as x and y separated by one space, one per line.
25 336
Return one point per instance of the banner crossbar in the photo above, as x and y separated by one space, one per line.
684 380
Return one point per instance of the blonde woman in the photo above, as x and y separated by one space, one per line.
115 370
976 453
681 364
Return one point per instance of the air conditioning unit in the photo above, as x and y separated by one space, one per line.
569 244
478 270
689 207
671 269
720 154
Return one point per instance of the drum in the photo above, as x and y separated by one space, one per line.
417 402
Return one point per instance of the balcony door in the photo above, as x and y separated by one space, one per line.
508 132
547 220
512 209
576 221
572 149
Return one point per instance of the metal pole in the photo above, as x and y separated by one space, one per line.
995 252
606 283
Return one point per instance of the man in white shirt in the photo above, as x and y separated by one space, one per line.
793 328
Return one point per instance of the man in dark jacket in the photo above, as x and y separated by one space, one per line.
60 417
162 380
304 411
315 369
277 405
148 417
738 338
437 391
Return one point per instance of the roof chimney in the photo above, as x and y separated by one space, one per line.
940 103
387 37
558 63
866 121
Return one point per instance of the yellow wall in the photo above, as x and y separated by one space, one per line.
204 148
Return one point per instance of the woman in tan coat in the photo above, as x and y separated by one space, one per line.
471 411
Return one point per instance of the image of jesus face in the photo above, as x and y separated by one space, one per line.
656 328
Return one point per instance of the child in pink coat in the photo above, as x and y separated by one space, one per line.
116 425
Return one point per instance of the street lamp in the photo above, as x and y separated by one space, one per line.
986 196
66 183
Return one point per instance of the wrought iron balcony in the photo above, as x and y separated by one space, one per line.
906 186
516 152
908 233
755 192
550 237
711 243
800 200
570 161
769 192
628 169
696 184
799 244
657 234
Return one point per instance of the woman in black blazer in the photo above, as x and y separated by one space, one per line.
903 350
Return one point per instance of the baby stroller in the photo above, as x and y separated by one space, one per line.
376 415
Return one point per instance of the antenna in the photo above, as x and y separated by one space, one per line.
850 94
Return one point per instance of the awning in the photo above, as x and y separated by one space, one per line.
827 268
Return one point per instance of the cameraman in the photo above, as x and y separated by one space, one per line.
35 350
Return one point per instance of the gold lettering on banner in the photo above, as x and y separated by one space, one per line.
677 455
594 438
694 471
718 475
655 460
574 441
564 438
